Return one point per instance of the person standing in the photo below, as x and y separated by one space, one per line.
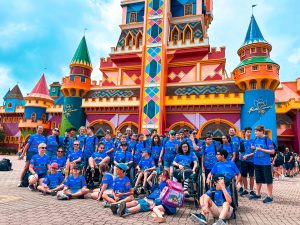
31 148
264 148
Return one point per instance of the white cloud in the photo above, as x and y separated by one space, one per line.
5 78
295 57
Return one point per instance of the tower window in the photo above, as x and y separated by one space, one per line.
264 50
133 17
269 67
188 9
53 90
255 68
243 54
242 70
252 50
188 35
44 118
9 105
253 85
33 117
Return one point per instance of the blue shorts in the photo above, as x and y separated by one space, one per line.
169 210
73 191
29 155
168 164
144 205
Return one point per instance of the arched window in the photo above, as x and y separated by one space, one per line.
253 85
33 117
263 84
187 34
9 105
44 118
139 40
175 35
129 40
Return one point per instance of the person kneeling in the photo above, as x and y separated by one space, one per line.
53 181
217 201
122 189
74 186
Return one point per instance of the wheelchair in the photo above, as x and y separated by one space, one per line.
194 187
93 178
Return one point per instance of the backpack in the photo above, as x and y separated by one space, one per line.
5 165
172 195
280 159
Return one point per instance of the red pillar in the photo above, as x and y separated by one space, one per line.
296 143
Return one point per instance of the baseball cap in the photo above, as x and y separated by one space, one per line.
76 167
54 165
172 132
122 166
145 150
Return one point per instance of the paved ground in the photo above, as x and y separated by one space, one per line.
20 206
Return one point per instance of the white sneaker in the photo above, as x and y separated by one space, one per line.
282 177
106 204
220 222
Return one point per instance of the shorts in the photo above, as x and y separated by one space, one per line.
263 174
286 166
247 168
144 205
216 211
169 210
73 191
108 192
29 155
292 165
40 176
168 164
238 164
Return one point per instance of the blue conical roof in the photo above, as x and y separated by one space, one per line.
254 34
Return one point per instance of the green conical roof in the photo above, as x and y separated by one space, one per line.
82 55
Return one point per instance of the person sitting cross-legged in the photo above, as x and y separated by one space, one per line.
217 201
122 190
53 181
74 185
74 157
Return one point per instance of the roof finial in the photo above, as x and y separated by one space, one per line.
253 7
85 29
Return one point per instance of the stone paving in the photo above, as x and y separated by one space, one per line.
20 206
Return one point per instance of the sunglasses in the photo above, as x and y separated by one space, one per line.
43 147
60 151
76 144
194 133
218 154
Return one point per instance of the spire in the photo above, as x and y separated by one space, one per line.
81 55
14 93
254 34
40 90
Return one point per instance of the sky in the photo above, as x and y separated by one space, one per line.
42 36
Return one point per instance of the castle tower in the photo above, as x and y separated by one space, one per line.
12 99
258 76
36 104
75 86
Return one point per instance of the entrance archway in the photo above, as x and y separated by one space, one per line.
218 127
134 127
101 126
182 125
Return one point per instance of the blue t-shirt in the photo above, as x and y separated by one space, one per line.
248 150
209 154
107 146
185 160
60 161
155 151
53 180
137 153
230 149
90 145
156 190
261 158
40 163
75 183
123 157
228 169
218 197
100 155
148 142
108 179
236 142
146 163
170 150
131 146
122 185
52 143
34 140
68 144
81 139
74 155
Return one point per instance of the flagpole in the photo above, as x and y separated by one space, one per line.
253 7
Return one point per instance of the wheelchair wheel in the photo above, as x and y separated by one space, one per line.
234 192
199 184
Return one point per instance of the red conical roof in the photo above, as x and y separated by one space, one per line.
40 90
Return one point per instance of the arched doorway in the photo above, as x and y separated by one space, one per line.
182 125
101 126
218 127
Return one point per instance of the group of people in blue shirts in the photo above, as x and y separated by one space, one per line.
181 155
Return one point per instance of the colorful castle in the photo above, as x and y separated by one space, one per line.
163 73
